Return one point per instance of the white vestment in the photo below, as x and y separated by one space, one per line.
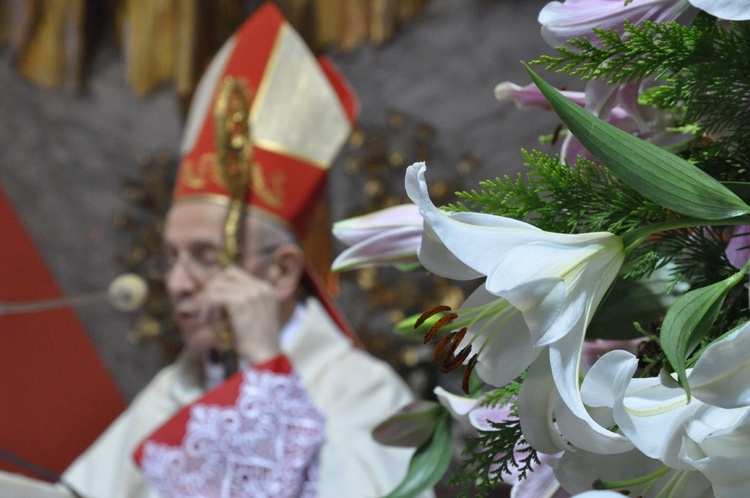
352 389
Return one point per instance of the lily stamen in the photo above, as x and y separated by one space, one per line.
444 354
453 363
434 310
467 373
442 322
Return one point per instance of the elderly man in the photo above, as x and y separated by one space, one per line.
296 418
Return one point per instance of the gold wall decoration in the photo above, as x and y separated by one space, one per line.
48 40
171 42
345 24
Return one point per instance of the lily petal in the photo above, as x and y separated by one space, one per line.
577 470
648 413
541 483
738 248
576 422
389 248
731 10
360 228
563 21
536 408
458 406
509 349
716 444
721 376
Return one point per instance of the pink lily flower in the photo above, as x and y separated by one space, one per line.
738 249
563 21
618 107
388 237
529 96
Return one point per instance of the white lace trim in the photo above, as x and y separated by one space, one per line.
265 445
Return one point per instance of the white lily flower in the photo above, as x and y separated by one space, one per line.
637 474
387 237
541 483
715 443
540 292
707 434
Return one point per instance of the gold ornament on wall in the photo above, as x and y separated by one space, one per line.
170 42
149 197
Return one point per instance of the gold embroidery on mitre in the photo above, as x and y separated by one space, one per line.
270 192
190 175
208 168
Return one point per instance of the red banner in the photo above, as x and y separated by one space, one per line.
56 395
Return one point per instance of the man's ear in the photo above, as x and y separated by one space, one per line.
285 270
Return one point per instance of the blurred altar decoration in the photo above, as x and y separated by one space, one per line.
604 352
149 196
170 42
373 164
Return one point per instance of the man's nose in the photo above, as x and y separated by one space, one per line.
180 280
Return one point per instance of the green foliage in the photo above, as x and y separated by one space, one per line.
491 455
700 75
703 73
559 198
429 462
698 257
498 398
689 321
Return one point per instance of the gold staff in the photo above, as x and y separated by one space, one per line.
234 149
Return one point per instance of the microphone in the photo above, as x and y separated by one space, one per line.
127 292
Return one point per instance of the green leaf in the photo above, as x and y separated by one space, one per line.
410 426
688 321
429 463
657 174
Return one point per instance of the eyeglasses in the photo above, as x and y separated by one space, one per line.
202 262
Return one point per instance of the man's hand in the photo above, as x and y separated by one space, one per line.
251 307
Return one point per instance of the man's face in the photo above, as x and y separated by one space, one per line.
192 244
193 240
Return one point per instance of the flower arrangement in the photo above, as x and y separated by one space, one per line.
644 216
